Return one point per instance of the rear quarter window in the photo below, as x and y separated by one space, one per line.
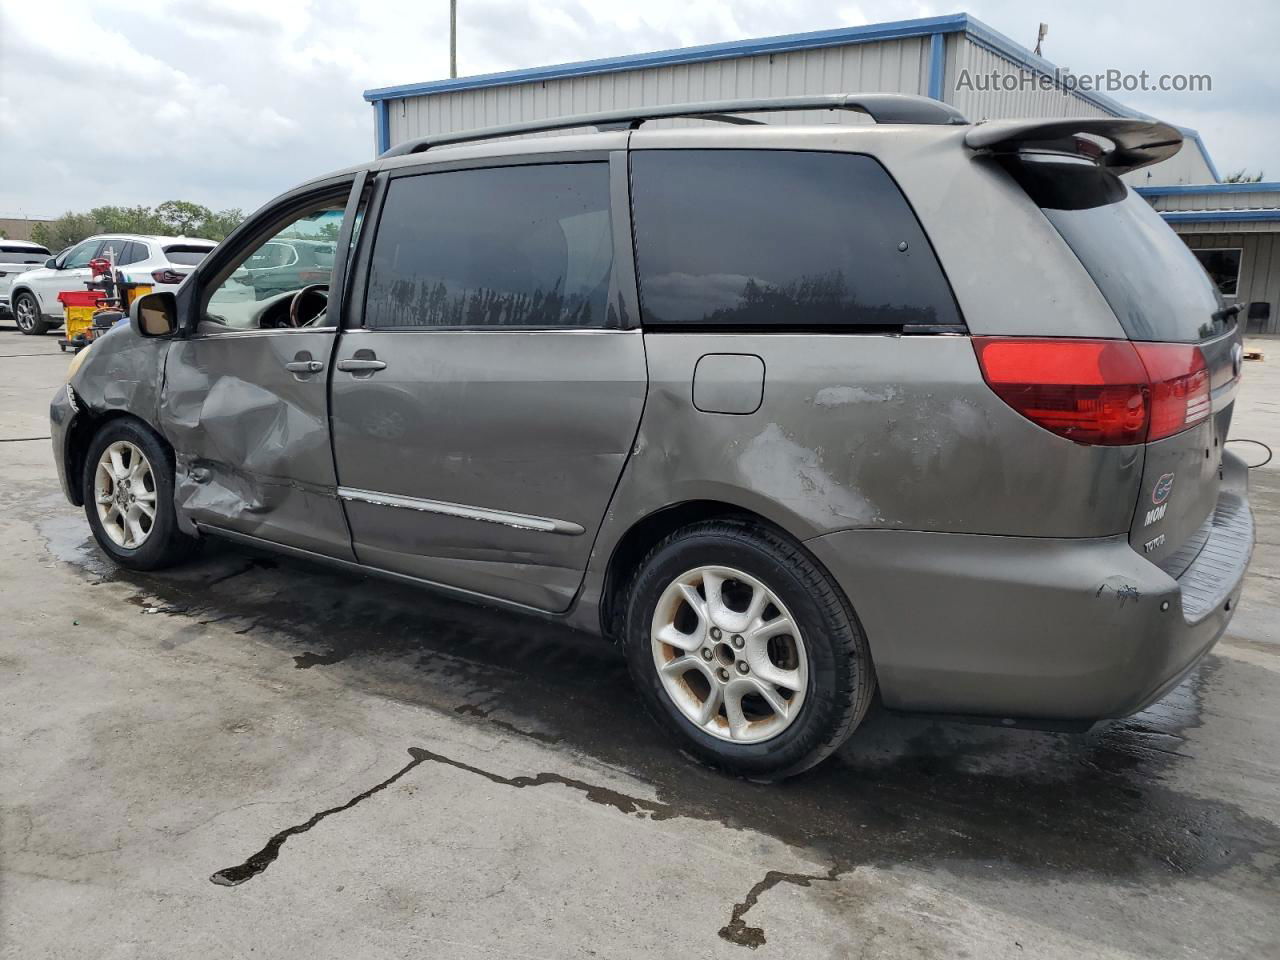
785 239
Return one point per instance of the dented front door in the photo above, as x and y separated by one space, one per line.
247 414
245 398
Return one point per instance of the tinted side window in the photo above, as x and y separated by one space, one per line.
772 238
505 246
134 252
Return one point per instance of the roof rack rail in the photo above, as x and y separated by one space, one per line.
880 107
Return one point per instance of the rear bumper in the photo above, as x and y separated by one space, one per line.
1037 628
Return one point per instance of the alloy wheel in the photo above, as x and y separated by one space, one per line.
124 490
24 313
729 654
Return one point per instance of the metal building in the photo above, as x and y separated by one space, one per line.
951 58
1234 228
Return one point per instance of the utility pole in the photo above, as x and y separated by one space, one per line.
453 38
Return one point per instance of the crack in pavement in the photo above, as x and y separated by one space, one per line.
633 806
737 931
234 876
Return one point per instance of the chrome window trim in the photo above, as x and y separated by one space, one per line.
520 521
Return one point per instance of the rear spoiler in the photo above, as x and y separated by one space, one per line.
1134 143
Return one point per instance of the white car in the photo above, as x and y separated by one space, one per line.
17 257
161 262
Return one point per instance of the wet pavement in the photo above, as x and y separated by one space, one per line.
258 756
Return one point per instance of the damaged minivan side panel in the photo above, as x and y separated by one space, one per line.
252 439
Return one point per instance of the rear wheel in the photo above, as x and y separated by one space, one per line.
27 315
128 498
744 648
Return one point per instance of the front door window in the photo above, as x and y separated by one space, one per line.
258 293
79 256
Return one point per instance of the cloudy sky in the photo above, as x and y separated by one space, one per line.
228 102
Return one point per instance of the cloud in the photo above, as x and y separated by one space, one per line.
228 102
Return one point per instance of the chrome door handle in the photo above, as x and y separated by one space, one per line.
304 366
361 366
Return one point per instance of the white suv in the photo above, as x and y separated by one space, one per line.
162 262
17 257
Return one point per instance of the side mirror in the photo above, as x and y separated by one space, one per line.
155 315
51 263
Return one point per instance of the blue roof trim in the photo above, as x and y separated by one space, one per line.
869 33
383 110
1220 216
937 65
1266 186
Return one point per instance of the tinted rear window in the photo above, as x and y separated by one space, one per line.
188 256
774 238
1153 282
23 256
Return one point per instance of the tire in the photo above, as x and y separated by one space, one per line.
122 528
27 315
826 659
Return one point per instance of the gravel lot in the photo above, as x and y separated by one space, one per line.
255 757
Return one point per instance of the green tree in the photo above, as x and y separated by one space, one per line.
182 216
1240 176
216 226
126 220
68 229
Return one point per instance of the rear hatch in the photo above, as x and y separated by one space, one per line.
1182 332
15 260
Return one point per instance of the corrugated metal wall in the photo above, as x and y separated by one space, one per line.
1219 200
1184 167
895 66
965 55
1259 264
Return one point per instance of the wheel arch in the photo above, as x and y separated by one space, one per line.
84 429
18 290
641 536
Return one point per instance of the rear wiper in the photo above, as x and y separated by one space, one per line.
1226 313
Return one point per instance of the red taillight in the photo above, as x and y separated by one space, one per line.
167 276
1179 387
1109 392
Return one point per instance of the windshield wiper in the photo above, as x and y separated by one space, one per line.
1226 313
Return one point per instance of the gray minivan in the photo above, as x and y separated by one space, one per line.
794 414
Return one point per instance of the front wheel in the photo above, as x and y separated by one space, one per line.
744 648
128 498
27 315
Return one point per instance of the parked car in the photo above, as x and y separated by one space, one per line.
289 263
17 256
161 262
790 413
